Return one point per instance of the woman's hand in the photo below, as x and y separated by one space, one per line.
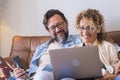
106 76
117 68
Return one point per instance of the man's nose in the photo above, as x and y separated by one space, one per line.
57 29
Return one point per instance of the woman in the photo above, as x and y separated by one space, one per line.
90 25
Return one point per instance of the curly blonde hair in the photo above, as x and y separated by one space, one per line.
97 18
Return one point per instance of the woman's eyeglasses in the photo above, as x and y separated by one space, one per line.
88 28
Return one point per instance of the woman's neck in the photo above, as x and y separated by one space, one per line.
88 44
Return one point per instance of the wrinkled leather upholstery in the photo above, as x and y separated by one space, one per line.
115 35
25 46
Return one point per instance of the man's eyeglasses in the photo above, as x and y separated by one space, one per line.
59 25
88 28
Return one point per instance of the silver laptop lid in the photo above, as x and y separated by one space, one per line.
78 62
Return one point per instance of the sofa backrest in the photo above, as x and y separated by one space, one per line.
115 35
25 46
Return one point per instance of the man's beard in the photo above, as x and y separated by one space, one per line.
63 38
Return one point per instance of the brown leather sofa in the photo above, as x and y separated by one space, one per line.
25 46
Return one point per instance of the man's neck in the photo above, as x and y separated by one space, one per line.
55 44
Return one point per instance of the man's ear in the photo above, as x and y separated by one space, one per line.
67 23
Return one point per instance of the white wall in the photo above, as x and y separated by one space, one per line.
24 17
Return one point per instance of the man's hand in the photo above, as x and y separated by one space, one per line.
20 73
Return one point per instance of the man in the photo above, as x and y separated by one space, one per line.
57 25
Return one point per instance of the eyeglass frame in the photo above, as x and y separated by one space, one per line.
59 25
88 28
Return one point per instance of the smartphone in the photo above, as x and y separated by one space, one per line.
17 62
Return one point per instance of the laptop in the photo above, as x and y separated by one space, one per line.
77 62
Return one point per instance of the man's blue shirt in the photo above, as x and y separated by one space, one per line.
70 42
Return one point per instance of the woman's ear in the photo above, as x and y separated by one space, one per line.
98 30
